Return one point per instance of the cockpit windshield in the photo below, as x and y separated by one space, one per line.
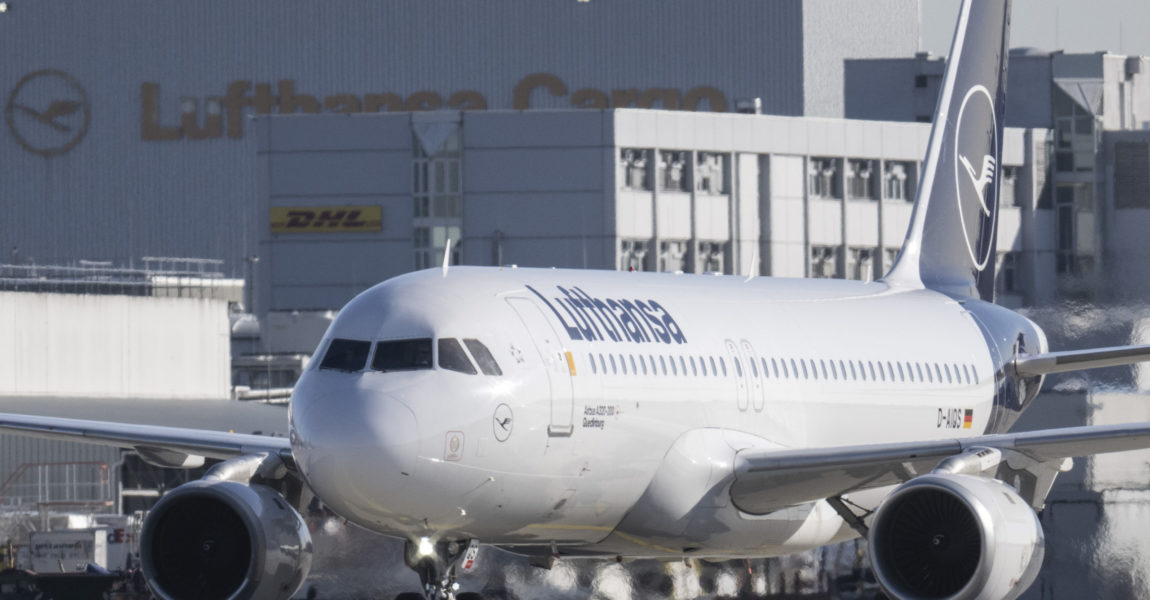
412 355
346 355
402 355
483 356
453 358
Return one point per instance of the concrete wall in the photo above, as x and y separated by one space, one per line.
113 346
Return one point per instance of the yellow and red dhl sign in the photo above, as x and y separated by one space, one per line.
325 219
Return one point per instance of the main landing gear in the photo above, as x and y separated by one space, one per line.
437 564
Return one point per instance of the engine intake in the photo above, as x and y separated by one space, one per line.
224 540
955 537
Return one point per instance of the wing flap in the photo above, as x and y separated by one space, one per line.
1079 360
149 438
766 481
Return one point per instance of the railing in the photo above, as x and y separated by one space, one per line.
58 484
195 277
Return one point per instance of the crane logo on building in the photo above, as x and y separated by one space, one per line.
48 112
976 184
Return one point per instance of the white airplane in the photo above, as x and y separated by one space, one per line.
566 413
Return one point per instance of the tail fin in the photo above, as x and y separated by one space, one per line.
950 245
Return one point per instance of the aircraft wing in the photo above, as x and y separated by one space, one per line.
1077 360
166 446
768 480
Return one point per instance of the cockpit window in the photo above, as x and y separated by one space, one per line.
453 358
483 356
346 355
402 355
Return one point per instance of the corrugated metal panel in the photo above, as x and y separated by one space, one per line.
113 346
878 30
116 196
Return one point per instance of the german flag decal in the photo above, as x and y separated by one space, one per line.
968 419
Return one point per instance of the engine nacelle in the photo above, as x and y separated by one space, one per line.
955 537
224 540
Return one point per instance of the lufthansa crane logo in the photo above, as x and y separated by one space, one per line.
981 180
48 112
975 173
502 422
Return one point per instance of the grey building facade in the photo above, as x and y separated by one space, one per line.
127 133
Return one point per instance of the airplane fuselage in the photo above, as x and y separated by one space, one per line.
622 398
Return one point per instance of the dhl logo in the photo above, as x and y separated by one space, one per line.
325 219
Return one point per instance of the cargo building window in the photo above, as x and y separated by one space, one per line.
453 358
346 355
482 355
402 355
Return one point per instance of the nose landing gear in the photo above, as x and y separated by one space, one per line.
437 563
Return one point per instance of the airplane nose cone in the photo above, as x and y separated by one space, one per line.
355 446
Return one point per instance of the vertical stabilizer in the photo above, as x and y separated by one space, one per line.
950 245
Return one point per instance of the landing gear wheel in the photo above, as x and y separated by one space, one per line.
435 564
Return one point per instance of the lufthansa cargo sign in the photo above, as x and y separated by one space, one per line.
326 219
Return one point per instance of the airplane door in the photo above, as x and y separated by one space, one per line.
758 391
555 362
740 374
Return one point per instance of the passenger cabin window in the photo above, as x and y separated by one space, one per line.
402 355
453 358
482 355
346 355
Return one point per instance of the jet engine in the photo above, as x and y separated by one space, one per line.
955 537
212 539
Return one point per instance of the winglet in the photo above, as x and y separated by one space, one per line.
950 245
446 257
753 269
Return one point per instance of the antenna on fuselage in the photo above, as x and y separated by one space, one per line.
753 269
446 257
